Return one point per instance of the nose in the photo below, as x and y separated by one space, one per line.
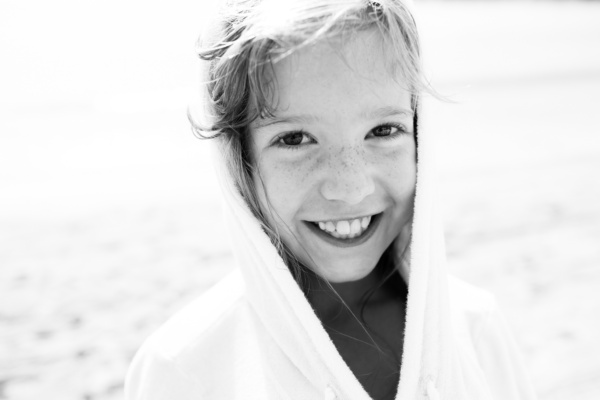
347 177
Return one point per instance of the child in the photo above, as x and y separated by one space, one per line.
315 110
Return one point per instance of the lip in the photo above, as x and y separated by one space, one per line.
357 241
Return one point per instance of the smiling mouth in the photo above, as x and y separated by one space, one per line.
345 229
345 233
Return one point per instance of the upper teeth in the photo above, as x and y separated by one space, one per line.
346 229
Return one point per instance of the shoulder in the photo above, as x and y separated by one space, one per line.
474 310
177 360
482 328
471 306
469 296
204 316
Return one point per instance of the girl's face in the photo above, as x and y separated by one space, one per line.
335 166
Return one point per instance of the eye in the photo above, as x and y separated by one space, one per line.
386 131
292 139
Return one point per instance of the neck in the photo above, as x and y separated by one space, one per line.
328 298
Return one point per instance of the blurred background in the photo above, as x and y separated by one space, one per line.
110 222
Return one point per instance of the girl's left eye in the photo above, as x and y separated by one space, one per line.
387 131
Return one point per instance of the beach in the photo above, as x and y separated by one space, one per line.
110 218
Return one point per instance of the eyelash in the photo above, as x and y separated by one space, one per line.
278 141
401 131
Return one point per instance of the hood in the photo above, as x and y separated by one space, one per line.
431 359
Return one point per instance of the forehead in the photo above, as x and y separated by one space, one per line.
337 76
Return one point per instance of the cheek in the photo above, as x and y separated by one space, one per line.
284 185
398 168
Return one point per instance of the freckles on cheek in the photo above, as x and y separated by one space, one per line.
400 166
284 180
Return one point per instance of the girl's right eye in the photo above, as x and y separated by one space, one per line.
292 139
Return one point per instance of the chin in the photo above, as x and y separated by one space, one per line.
345 273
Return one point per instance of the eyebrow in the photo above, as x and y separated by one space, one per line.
385 112
377 113
300 118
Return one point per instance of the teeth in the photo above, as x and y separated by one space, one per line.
329 226
365 222
345 229
355 228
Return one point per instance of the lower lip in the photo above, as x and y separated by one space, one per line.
356 241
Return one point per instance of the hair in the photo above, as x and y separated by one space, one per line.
240 48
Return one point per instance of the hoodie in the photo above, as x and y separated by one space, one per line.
254 335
